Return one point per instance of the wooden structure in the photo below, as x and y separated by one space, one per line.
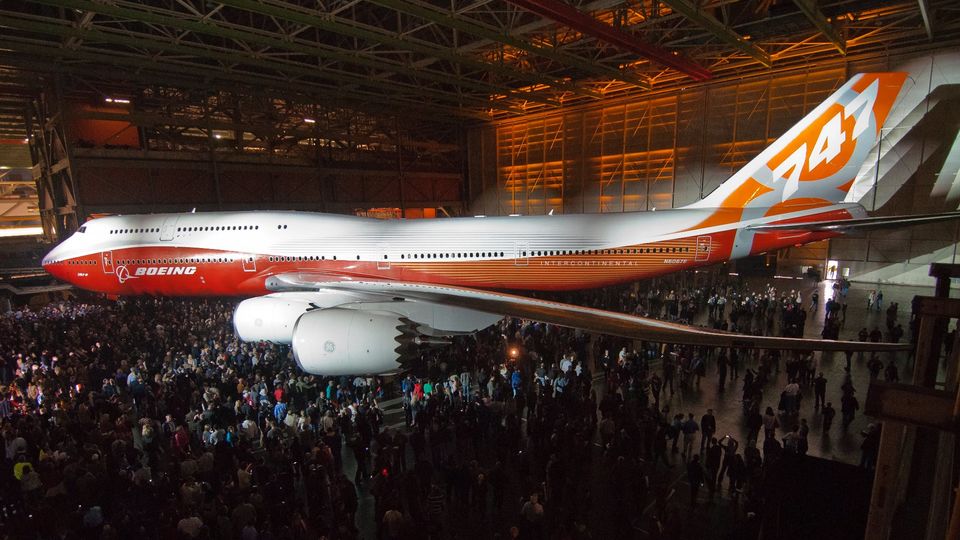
915 474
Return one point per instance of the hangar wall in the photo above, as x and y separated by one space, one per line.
672 148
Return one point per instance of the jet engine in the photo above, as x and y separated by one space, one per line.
340 341
268 318
273 317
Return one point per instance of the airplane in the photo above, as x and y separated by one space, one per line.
360 295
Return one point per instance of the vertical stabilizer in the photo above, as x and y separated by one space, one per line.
816 162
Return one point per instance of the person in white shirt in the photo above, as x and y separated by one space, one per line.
791 396
565 364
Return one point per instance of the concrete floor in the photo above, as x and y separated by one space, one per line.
839 444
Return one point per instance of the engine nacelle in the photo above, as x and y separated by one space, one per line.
269 318
340 341
273 317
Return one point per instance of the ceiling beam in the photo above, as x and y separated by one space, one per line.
213 28
329 24
100 72
720 30
812 11
63 31
204 73
572 17
431 13
104 73
56 28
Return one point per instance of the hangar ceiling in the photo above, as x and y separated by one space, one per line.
475 59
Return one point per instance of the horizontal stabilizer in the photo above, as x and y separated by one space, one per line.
844 225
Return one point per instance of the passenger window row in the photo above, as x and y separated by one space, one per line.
632 251
135 231
188 260
220 228
483 254
302 258
81 263
450 255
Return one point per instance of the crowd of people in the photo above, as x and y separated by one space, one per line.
148 418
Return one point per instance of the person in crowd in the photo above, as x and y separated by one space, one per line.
695 477
890 373
689 428
708 426
770 423
828 413
848 407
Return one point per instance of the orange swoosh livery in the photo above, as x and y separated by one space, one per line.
356 295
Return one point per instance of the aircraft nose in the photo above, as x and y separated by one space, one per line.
49 262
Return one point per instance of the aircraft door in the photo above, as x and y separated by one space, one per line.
107 259
249 263
168 228
703 248
383 262
522 254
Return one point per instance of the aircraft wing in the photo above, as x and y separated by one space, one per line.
589 319
844 225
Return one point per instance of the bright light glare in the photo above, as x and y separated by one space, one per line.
117 100
310 120
21 231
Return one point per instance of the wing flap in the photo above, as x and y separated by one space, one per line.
589 319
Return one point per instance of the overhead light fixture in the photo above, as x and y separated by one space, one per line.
217 136
117 100
309 121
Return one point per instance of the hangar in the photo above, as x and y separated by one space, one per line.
485 108
427 110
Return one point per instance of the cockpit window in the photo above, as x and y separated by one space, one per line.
83 229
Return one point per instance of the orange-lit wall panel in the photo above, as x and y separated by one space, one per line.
635 154
95 132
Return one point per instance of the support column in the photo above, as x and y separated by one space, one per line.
49 149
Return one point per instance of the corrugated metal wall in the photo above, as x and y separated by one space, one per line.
638 154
